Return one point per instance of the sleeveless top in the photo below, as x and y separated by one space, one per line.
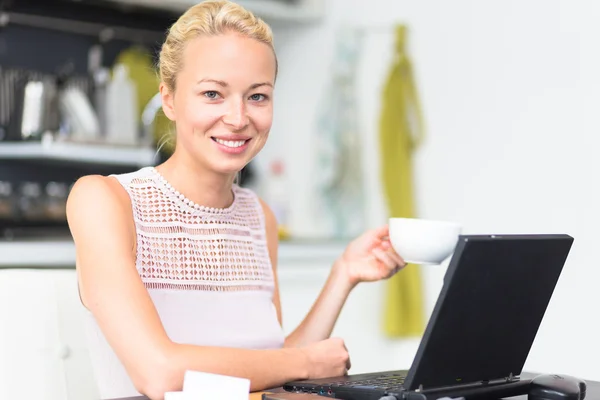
207 271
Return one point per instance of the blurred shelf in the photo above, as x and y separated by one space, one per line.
301 11
37 254
81 153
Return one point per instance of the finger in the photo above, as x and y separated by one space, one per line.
396 257
348 364
382 231
398 269
385 258
385 245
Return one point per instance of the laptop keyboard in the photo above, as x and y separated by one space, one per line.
383 382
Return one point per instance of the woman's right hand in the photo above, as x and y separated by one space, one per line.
327 358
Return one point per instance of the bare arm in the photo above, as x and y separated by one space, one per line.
99 216
321 319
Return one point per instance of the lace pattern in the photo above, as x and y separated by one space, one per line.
182 246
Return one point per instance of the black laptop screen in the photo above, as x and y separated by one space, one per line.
495 294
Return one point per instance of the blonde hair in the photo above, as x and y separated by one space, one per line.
208 18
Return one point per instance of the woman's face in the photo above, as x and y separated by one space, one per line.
223 102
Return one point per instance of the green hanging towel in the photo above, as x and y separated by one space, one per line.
401 130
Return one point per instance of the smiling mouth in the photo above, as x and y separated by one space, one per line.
230 143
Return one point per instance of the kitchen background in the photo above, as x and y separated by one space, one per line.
509 92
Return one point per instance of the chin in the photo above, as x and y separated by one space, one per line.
230 167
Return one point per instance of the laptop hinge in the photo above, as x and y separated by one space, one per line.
509 378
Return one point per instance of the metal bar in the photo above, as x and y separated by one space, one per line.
103 32
383 28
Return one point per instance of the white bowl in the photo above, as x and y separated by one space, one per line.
420 241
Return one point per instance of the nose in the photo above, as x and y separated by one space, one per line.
237 115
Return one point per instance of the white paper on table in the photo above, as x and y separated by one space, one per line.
203 385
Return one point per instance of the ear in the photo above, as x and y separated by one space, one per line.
167 101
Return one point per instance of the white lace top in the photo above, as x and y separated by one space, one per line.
207 271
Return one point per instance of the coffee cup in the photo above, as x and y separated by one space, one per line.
422 241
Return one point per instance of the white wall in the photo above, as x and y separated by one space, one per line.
510 91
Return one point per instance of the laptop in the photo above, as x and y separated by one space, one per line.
494 296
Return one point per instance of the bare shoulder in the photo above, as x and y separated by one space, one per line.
96 206
95 190
272 232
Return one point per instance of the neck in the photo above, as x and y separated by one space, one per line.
196 182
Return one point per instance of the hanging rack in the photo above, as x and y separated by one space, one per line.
103 32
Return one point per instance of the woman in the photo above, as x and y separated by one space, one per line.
177 264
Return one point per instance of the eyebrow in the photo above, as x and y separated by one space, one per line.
254 86
224 84
218 82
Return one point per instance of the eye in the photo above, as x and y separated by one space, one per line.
211 94
258 97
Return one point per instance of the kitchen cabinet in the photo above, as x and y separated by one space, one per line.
289 11
42 348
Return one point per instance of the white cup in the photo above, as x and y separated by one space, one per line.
420 241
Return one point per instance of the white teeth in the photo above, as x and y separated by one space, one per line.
230 143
